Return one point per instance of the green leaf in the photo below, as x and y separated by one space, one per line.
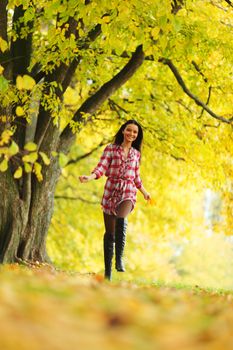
63 160
177 24
3 84
45 158
4 165
13 149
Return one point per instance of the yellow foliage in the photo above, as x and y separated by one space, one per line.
5 137
30 158
155 32
25 82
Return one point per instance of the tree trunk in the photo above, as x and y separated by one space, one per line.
26 209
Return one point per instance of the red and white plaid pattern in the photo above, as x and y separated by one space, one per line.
123 177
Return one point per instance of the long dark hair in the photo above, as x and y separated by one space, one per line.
119 137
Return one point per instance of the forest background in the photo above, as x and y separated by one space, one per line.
182 96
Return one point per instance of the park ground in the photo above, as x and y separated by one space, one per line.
41 308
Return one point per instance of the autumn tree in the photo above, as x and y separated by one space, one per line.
95 47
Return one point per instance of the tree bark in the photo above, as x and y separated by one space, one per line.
25 218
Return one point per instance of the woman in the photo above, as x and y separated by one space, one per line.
120 163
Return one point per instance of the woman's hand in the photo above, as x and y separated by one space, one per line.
147 196
86 178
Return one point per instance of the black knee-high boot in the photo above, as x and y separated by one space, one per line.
108 254
120 238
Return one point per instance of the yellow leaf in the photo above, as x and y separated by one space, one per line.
3 150
151 202
29 82
45 158
18 173
26 82
30 158
5 137
4 165
37 170
155 32
19 82
30 146
19 111
1 69
27 167
106 19
3 45
3 118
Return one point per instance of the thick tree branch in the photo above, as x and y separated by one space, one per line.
5 58
91 105
6 62
22 47
21 50
3 19
180 81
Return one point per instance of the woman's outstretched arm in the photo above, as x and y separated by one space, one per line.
86 178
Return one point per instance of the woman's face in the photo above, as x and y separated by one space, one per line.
130 132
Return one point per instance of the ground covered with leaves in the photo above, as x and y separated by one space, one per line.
44 309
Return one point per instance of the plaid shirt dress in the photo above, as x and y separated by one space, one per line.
123 177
